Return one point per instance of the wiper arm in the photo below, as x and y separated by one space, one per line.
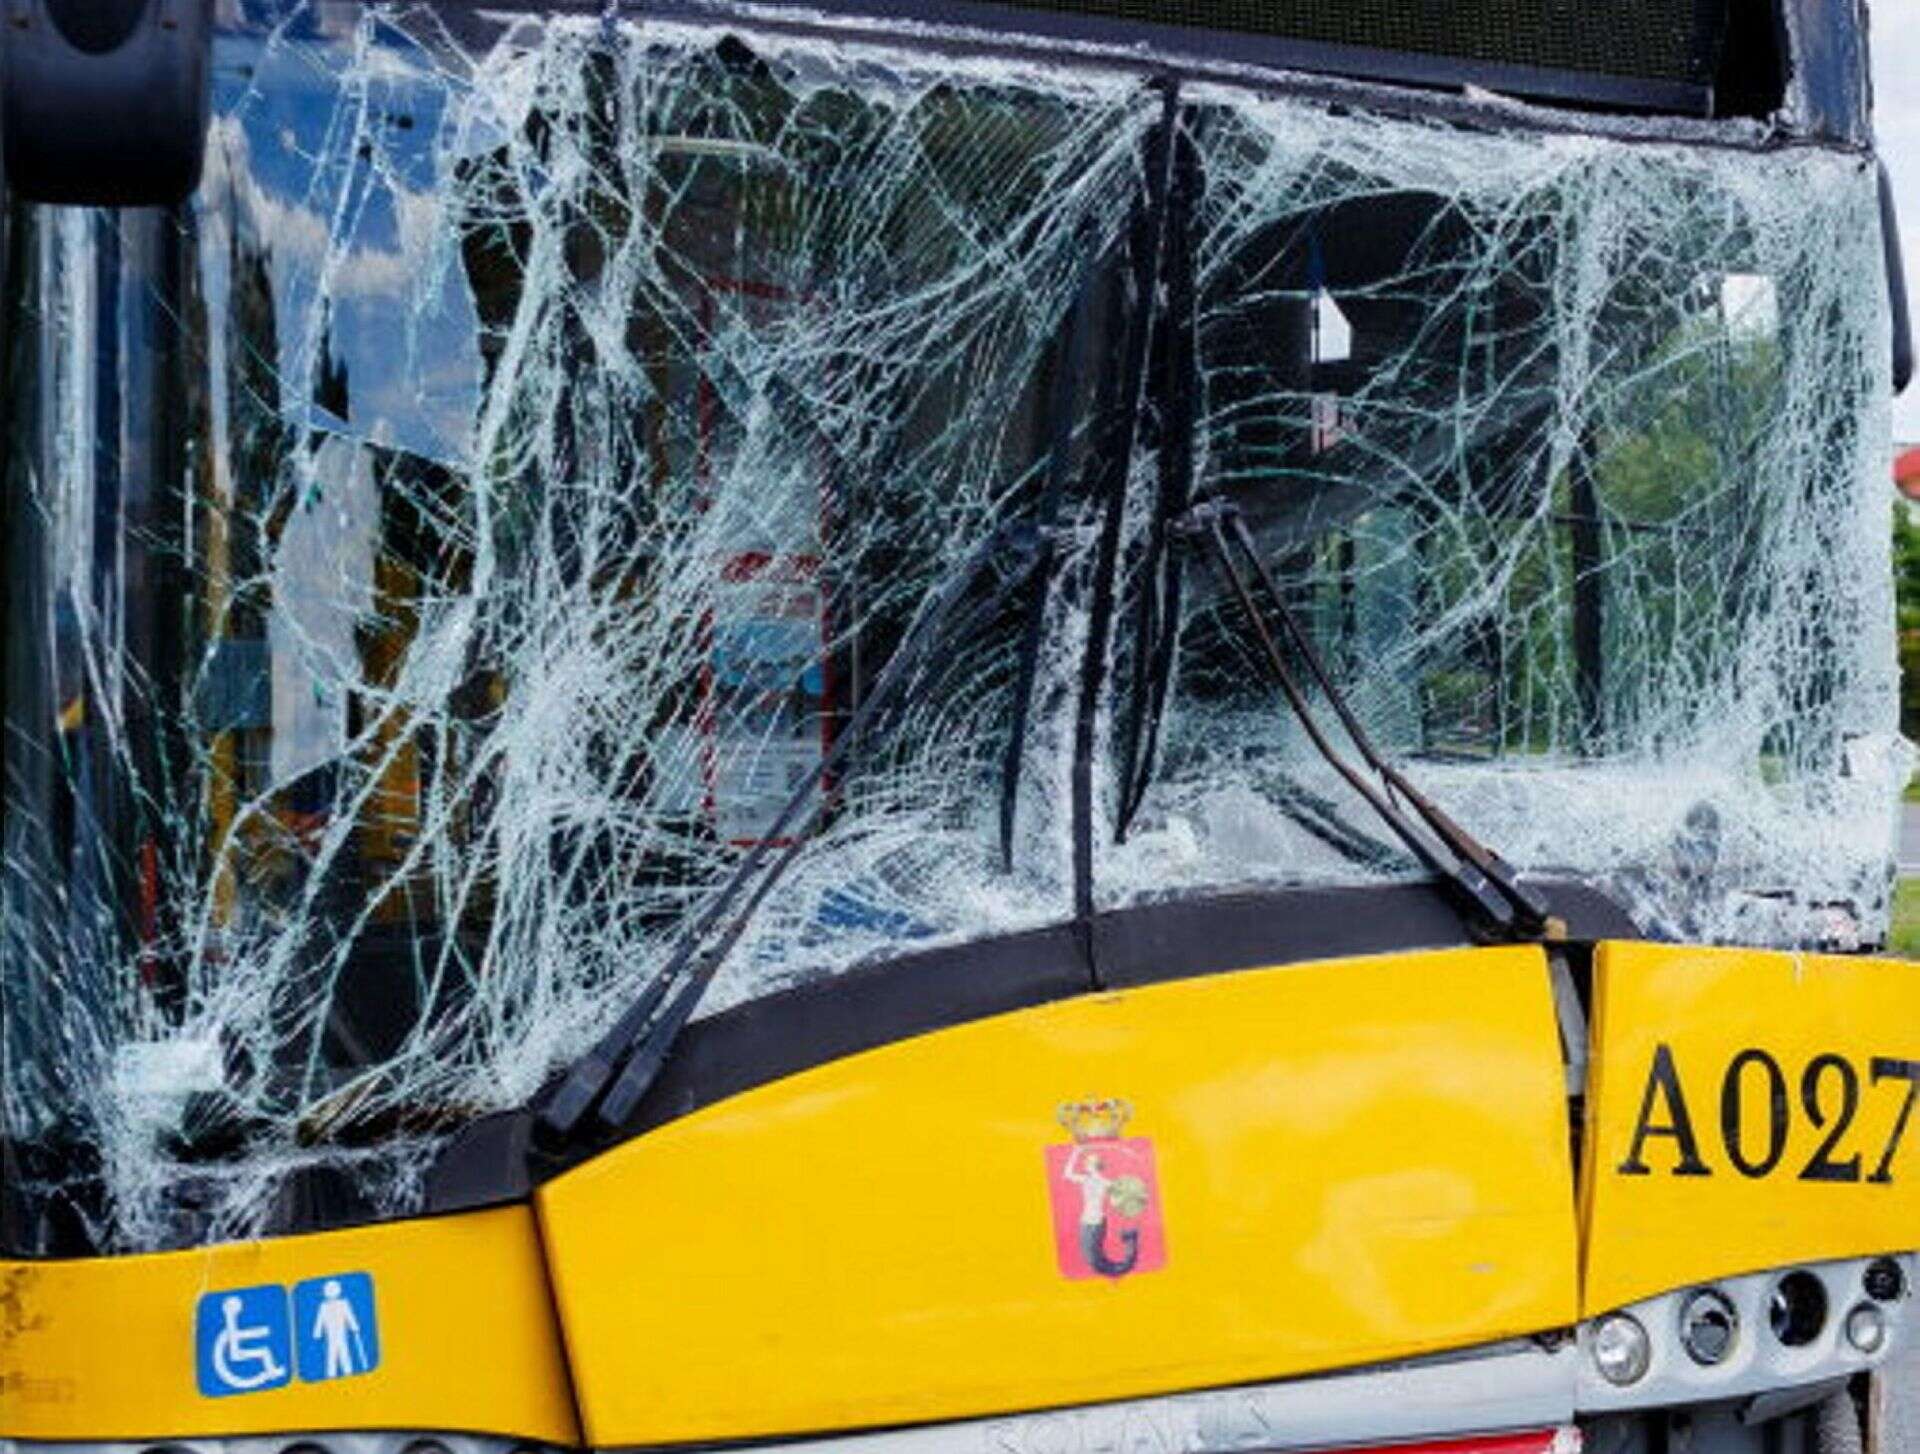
1484 883
610 1080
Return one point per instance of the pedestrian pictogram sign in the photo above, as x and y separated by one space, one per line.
334 1326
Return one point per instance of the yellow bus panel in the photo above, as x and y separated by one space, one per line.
456 1333
1746 1110
1240 1177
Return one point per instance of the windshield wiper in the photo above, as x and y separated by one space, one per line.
609 1081
1484 884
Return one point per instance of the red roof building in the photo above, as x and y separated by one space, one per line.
1906 472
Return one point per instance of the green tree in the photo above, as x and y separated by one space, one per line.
1906 580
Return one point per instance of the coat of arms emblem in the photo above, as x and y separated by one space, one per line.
1106 1194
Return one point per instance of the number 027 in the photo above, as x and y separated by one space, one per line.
1829 1097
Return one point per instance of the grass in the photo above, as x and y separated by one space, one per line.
1903 934
1903 938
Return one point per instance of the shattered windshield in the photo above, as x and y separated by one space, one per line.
439 552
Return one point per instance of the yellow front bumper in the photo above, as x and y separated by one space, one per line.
1350 1162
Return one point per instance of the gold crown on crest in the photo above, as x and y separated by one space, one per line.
1095 1120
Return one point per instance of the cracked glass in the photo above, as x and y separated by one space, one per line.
438 552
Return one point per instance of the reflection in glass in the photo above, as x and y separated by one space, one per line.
436 553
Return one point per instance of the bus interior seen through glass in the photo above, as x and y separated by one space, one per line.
394 667
769 688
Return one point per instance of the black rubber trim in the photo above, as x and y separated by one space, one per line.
782 1034
779 1035
1192 937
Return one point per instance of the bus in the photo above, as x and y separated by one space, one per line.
1014 725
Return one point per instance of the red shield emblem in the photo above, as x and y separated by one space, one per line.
1106 1195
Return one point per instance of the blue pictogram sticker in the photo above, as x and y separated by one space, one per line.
243 1341
335 1326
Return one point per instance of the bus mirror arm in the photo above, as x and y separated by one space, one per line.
1899 311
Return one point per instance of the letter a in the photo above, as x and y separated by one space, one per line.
1664 1080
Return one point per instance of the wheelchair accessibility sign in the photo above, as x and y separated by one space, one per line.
243 1340
252 1339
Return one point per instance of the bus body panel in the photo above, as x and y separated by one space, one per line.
461 1336
1747 1110
1336 1164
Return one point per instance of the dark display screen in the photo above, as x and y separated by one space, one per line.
1642 55
1657 40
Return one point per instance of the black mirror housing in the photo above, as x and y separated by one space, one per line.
104 103
1898 308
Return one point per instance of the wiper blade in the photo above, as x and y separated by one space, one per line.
1325 821
609 1081
1485 884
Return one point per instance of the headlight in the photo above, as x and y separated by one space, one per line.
1797 1309
1747 1334
1884 1280
1621 1349
1708 1326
